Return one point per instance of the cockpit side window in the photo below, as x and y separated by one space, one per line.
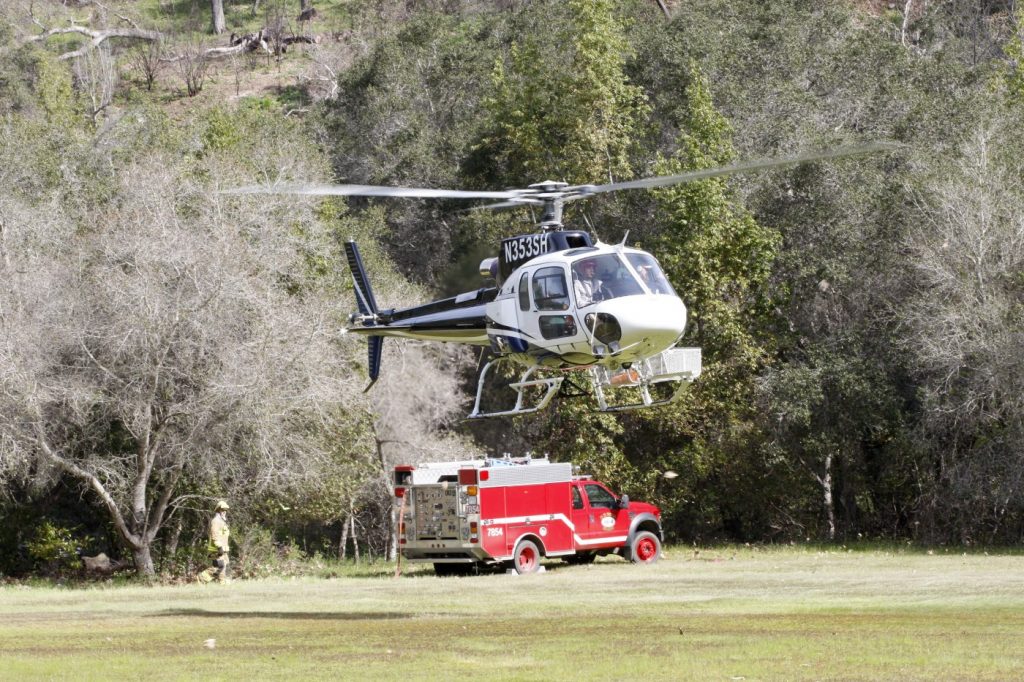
524 291
549 289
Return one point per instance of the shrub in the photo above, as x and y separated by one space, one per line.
53 550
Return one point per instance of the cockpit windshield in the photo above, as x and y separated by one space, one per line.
600 278
653 278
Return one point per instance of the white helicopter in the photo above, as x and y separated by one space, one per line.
562 303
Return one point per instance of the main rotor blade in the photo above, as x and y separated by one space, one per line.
368 191
759 164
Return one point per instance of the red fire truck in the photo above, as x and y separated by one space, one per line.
461 516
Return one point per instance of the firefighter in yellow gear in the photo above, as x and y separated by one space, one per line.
218 546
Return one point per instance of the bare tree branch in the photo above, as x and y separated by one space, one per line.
97 37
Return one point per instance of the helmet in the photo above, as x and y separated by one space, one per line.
222 505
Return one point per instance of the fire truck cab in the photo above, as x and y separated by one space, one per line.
512 512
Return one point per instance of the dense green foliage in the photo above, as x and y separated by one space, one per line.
860 320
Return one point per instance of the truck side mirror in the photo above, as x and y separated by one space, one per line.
624 502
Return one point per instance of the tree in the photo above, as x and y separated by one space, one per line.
183 336
413 421
217 10
719 260
406 114
96 78
562 106
1010 74
963 321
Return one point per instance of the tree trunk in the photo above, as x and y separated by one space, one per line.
143 560
219 26
343 545
826 488
355 538
171 545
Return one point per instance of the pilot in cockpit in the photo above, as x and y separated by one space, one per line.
585 282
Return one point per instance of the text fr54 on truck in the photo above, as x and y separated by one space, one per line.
461 515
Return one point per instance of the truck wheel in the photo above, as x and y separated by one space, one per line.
646 548
526 558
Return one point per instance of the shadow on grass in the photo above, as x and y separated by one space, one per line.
470 571
283 615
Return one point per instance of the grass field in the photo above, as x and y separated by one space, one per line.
722 614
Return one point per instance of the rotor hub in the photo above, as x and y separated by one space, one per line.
549 186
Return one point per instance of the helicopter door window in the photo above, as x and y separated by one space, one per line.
557 326
650 273
549 289
524 292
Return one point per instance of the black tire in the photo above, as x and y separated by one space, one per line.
646 548
526 558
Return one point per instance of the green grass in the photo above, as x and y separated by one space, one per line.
778 614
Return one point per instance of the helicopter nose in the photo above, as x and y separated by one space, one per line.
646 324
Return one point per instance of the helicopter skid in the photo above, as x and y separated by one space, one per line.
679 365
550 386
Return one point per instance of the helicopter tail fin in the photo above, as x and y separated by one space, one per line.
367 305
364 293
375 351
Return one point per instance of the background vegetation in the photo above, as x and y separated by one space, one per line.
163 345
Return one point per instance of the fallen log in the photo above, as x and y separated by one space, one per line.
101 565
98 37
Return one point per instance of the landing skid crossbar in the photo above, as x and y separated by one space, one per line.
550 385
679 365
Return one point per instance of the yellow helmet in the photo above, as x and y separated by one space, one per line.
222 505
